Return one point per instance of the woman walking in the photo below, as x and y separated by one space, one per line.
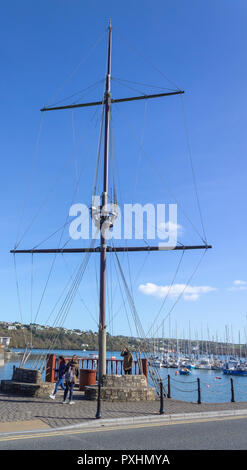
71 376
61 373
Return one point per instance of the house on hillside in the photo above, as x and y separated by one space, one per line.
4 341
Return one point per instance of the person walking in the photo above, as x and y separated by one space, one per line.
61 374
128 361
71 376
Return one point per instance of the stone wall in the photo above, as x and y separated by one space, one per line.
20 374
122 388
27 382
27 389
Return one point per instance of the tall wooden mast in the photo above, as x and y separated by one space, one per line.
104 200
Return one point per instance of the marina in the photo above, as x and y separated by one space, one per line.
215 384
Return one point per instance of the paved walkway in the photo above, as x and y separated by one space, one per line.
27 413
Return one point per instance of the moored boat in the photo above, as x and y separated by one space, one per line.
184 371
204 363
234 368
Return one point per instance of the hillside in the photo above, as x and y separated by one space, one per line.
42 337
60 339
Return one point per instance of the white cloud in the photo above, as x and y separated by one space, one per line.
165 228
191 293
238 285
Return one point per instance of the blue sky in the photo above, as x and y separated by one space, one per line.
199 46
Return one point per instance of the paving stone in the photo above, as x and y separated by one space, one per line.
55 414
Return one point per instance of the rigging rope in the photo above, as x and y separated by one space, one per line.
159 174
18 297
146 60
67 303
77 93
76 68
55 256
79 295
140 332
52 188
29 183
142 84
192 169
168 292
186 285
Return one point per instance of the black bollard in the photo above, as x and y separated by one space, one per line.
232 391
199 391
98 413
161 399
169 386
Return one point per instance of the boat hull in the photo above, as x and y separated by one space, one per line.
184 372
234 372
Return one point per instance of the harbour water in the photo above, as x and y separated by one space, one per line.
215 386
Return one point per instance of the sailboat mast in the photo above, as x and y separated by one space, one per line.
104 200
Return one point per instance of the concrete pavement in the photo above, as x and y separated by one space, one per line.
29 414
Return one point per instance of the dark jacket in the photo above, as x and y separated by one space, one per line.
72 371
128 360
61 370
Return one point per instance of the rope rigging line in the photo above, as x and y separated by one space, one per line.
53 263
64 310
140 153
146 60
120 204
129 87
74 144
78 178
27 353
90 87
153 372
19 297
79 295
186 285
113 183
123 300
79 275
52 188
142 84
140 332
98 155
67 303
192 169
98 41
31 300
29 183
125 307
149 159
164 301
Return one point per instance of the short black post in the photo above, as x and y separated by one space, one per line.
199 391
232 391
98 413
169 386
161 398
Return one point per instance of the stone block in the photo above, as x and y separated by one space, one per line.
27 389
20 374
122 388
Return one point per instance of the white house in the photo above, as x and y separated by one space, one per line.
4 340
